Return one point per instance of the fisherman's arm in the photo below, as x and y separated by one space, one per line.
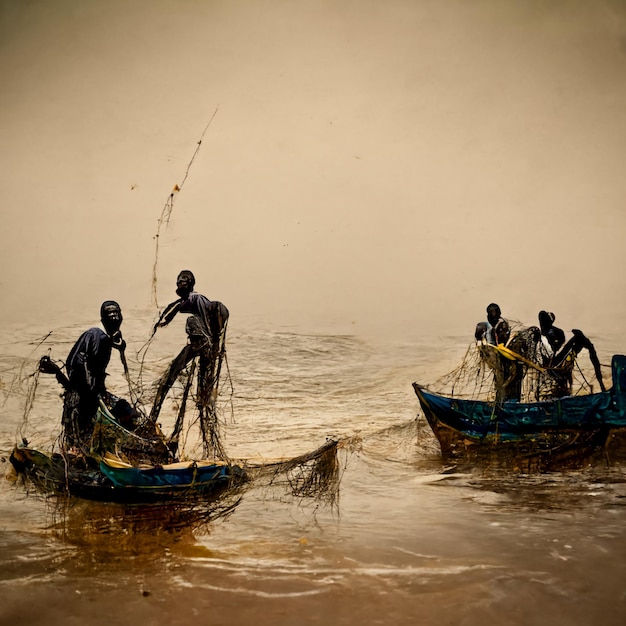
82 377
47 366
168 314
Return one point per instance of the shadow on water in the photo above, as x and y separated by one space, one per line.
411 452
402 540
115 533
84 523
574 491
113 530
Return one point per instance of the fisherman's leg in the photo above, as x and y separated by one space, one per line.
564 378
514 384
69 420
87 410
499 378
79 412
207 395
177 366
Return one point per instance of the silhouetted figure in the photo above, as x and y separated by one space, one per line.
496 329
86 372
506 372
562 364
559 357
551 337
206 332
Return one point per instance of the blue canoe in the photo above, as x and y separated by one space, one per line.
562 431
109 479
181 476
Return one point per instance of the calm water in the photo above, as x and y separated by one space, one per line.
411 540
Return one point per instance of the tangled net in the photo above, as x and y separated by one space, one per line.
520 370
140 442
315 475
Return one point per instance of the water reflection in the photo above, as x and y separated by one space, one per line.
111 531
496 488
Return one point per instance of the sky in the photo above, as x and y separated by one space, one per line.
368 167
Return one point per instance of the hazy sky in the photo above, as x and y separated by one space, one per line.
389 165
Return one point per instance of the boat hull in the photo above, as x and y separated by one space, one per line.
561 433
91 479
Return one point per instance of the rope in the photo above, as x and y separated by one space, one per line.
168 207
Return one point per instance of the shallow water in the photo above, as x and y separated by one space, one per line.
410 540
374 167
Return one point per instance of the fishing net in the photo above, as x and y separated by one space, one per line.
168 207
145 443
132 437
314 476
522 370
191 384
190 390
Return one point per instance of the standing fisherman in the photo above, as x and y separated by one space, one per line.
552 337
508 374
561 356
86 372
496 330
206 332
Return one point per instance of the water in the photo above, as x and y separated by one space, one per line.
383 168
411 540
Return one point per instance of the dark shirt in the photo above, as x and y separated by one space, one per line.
87 361
212 314
496 334
555 337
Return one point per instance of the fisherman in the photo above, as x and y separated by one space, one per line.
86 372
496 330
552 338
507 373
561 357
206 331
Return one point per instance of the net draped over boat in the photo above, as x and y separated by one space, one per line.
521 371
314 475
